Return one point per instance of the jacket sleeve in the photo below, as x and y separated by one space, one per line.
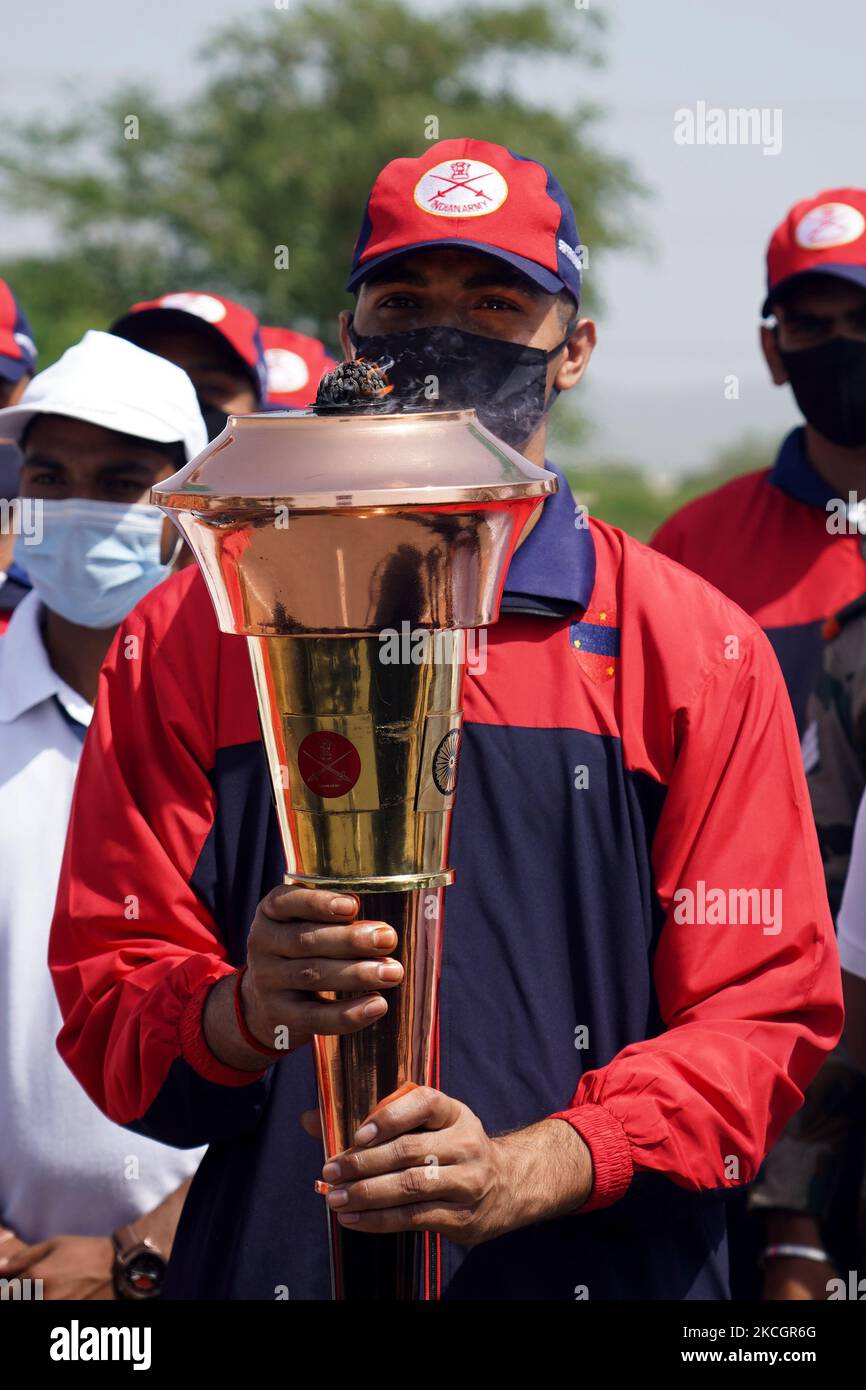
746 969
133 951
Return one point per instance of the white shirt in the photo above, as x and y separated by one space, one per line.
65 1169
851 923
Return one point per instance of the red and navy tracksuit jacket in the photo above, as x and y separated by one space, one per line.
614 751
763 540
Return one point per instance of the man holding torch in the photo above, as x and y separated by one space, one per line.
639 975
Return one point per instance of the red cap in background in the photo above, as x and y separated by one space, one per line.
824 235
296 364
17 349
238 326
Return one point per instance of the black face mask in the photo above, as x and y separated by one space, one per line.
214 418
829 383
449 369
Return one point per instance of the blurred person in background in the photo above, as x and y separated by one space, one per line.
834 742
85 1206
296 364
17 365
772 540
785 544
812 1187
216 341
852 953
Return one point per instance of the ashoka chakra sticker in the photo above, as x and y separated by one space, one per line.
445 762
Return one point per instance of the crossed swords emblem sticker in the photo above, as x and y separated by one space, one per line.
454 189
329 763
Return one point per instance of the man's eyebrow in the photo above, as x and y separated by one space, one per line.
42 460
395 275
127 466
493 278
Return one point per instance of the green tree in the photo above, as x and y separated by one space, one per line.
278 148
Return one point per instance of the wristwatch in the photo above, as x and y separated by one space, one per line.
139 1267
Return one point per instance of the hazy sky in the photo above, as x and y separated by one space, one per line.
680 317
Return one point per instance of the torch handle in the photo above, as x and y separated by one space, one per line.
360 1072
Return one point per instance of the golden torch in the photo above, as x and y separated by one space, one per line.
354 551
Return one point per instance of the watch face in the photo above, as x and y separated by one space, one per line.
143 1274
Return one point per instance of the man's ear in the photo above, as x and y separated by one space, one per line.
771 354
579 350
345 317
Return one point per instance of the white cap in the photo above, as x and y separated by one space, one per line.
110 382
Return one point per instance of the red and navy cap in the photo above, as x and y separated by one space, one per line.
17 348
236 325
296 365
824 235
472 193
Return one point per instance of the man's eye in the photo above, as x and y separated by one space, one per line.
215 390
126 485
398 301
494 301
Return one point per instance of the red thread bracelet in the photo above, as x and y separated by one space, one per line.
242 1024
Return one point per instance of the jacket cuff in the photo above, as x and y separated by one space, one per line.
612 1166
196 1051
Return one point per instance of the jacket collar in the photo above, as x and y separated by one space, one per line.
553 571
793 474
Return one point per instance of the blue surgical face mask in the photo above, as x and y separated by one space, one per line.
95 560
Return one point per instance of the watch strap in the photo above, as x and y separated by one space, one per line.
790 1250
126 1239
